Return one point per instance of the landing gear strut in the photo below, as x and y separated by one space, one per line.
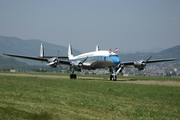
72 75
113 76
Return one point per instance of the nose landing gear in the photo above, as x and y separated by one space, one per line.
113 76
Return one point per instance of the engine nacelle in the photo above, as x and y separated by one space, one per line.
140 65
77 65
53 62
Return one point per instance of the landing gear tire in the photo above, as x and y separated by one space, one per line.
113 78
73 76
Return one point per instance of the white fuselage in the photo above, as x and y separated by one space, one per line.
97 59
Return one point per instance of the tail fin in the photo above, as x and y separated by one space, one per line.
97 48
70 54
41 51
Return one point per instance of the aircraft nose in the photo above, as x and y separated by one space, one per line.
116 60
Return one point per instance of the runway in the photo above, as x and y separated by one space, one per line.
146 82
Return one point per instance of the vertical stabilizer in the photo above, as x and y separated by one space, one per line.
97 47
70 54
41 51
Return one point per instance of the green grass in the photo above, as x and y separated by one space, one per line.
39 98
150 78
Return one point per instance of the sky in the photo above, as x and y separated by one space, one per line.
129 25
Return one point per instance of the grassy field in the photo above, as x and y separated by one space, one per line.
34 97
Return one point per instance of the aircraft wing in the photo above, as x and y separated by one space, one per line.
59 57
161 60
44 59
128 64
140 62
28 57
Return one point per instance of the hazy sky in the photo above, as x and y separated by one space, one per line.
130 25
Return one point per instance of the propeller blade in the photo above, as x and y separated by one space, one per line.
58 54
148 58
61 67
82 63
84 60
51 63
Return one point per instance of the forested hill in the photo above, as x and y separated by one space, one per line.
15 45
173 52
11 63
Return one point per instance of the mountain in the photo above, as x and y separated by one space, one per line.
154 50
30 47
11 63
18 46
135 56
173 52
14 45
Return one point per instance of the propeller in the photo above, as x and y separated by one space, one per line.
81 63
140 65
58 61
78 65
55 61
84 59
144 62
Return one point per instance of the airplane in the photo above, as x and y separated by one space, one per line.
91 60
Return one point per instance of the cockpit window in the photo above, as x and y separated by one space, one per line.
113 55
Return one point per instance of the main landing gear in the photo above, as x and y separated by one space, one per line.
73 76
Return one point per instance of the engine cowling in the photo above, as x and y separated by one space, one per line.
140 65
53 62
77 65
